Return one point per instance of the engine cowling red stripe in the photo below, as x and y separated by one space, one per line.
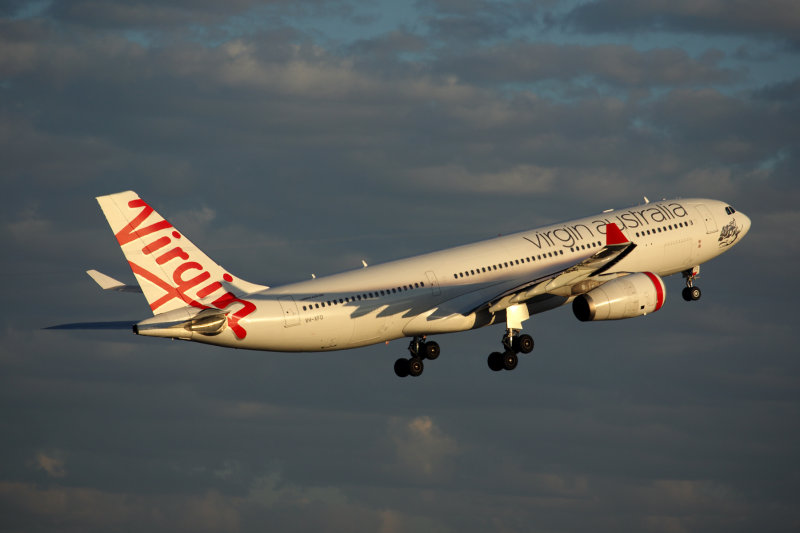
659 290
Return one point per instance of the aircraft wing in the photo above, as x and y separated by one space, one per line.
575 279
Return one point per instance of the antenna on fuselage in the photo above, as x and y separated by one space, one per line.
364 263
646 200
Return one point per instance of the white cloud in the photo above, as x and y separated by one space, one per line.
422 448
50 463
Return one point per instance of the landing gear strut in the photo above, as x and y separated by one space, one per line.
691 293
419 350
514 344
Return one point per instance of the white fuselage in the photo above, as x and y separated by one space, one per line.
443 292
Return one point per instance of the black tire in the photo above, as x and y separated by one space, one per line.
415 366
694 293
431 350
510 360
525 344
401 367
495 361
686 293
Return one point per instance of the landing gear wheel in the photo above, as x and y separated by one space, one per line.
431 350
691 294
524 344
510 360
495 361
415 366
401 367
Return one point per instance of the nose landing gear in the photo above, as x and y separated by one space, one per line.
691 293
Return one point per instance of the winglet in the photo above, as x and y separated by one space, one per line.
614 235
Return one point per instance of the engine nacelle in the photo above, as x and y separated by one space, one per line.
625 297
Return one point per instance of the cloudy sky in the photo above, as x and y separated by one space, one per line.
288 138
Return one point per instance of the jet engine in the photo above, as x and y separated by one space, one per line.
625 297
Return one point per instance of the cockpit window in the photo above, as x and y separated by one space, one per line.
730 210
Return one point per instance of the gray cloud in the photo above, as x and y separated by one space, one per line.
521 62
476 20
148 14
777 19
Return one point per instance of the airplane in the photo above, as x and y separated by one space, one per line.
608 266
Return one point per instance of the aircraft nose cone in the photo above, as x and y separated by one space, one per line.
745 221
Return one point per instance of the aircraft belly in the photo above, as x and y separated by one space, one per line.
431 322
374 324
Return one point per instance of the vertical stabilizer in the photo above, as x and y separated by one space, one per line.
171 271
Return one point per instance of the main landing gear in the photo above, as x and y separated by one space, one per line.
691 293
514 344
419 350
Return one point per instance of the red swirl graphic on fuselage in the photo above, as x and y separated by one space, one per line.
181 283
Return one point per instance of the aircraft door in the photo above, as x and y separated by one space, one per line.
290 315
434 282
708 218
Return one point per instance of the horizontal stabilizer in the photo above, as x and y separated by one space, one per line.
107 283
